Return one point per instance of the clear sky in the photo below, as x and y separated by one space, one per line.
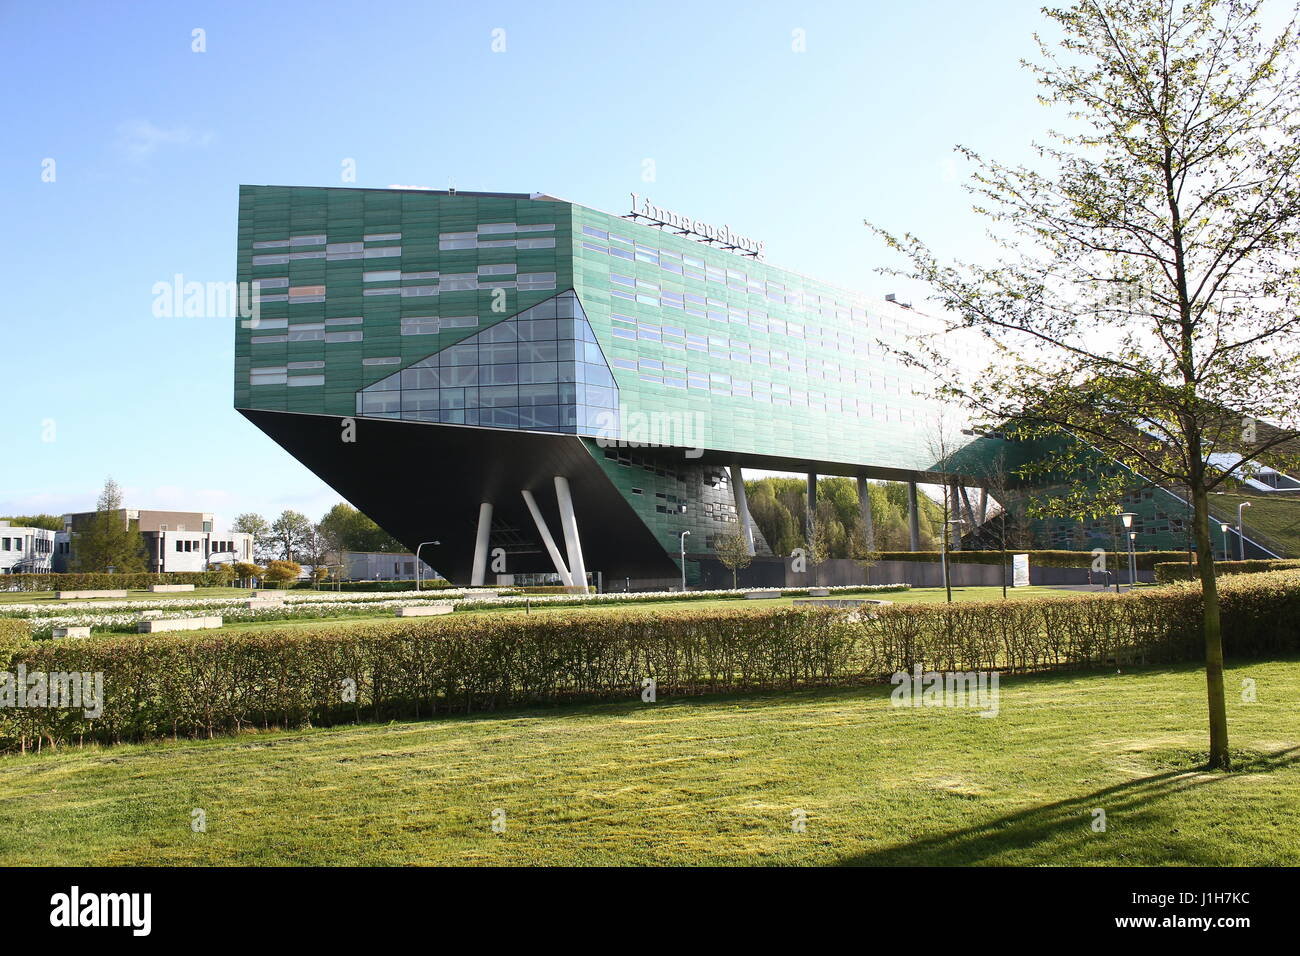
151 140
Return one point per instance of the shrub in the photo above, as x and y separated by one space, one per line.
1146 560
103 581
201 684
281 573
1179 571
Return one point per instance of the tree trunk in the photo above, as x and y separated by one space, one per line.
1219 759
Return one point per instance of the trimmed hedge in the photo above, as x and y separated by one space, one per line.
1181 572
1146 560
97 581
193 685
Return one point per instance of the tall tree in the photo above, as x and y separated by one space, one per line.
347 529
292 532
1145 298
108 541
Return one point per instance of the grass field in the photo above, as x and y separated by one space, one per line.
704 780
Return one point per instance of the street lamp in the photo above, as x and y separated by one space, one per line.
947 581
417 559
1241 537
1127 517
1223 526
684 559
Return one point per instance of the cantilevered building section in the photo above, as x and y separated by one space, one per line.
543 387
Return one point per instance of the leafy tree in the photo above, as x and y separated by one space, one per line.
347 529
108 540
225 572
247 572
48 522
733 551
1145 299
281 572
264 543
292 533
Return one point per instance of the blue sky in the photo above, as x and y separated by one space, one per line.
150 142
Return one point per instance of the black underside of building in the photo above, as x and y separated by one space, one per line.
424 482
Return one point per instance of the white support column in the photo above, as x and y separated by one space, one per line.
742 505
565 578
481 544
569 522
984 505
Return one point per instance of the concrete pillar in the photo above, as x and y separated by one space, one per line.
742 505
913 518
984 505
569 522
481 544
864 510
812 504
565 578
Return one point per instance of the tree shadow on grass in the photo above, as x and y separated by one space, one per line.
1053 828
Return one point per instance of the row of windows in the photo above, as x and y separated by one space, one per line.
739 350
335 253
674 375
723 313
39 545
693 267
502 276
280 375
474 240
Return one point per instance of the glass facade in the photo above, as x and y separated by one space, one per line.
539 370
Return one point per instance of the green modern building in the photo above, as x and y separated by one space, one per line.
542 387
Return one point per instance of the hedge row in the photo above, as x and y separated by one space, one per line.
103 581
1181 572
194 685
1146 560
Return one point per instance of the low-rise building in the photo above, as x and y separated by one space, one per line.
25 550
173 540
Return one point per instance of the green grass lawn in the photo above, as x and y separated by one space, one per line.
703 780
1273 515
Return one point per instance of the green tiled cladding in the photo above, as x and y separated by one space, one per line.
735 354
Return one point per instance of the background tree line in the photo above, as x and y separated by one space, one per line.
779 507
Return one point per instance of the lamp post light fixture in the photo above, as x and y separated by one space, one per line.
417 559
1223 526
1127 517
947 579
683 554
1241 537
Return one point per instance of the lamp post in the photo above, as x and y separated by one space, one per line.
947 579
1127 517
1241 537
1223 526
683 553
417 559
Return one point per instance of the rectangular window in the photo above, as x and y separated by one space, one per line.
354 320
300 380
385 360
382 252
420 325
353 336
382 237
390 275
